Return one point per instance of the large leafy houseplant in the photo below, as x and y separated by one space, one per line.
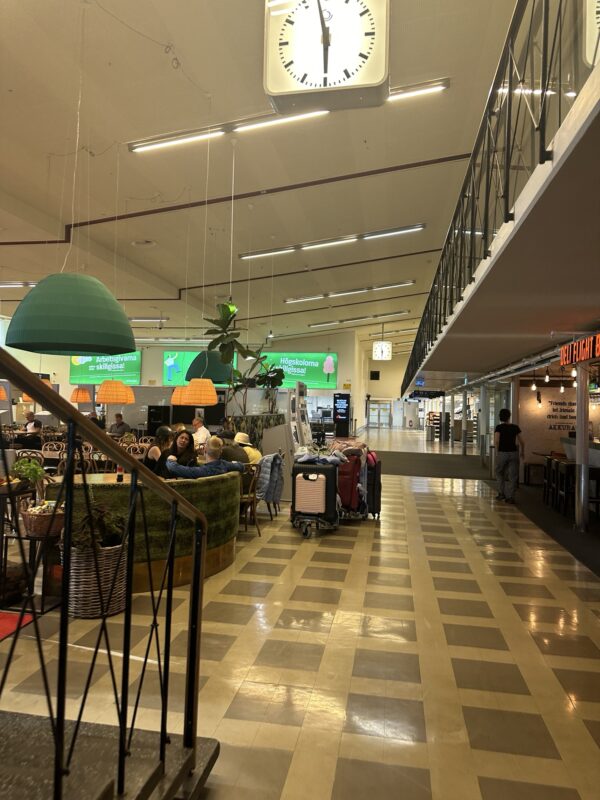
30 470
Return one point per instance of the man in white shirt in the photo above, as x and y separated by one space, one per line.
201 434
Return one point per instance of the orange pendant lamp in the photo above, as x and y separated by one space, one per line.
3 395
199 392
115 393
177 396
79 395
25 398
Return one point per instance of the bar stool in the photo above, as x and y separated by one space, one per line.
565 499
546 484
554 464
594 499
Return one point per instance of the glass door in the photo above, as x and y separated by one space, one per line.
380 414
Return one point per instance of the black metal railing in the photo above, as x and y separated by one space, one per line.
88 760
545 62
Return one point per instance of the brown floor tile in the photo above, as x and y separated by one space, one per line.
447 540
388 547
316 594
455 585
449 566
488 676
511 571
389 579
78 673
213 646
587 595
526 590
427 527
498 789
553 615
445 552
303 619
396 602
464 608
577 574
593 726
276 552
389 561
580 685
324 574
366 780
289 655
381 665
398 630
139 633
267 702
559 558
474 636
497 542
142 604
571 645
248 588
509 732
262 568
331 558
386 717
543 546
492 554
336 544
232 613
280 538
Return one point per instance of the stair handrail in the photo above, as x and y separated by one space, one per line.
13 370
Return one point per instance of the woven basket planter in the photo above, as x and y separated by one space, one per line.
37 526
84 598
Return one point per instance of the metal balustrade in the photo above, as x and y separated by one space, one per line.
74 758
545 62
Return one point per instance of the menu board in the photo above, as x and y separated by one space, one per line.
126 367
341 414
316 370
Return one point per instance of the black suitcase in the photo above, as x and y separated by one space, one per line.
314 496
374 489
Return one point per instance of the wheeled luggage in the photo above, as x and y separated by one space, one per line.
348 480
314 497
374 487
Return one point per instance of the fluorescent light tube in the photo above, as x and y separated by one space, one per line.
273 3
395 314
17 285
393 285
194 137
350 291
397 232
267 123
406 93
265 253
328 244
148 319
304 299
324 324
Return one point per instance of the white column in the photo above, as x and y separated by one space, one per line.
514 401
484 419
582 451
443 420
452 420
464 421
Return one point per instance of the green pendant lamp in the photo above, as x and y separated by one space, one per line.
70 314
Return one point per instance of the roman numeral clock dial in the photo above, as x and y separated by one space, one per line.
326 54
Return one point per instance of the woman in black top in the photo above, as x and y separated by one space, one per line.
157 454
183 448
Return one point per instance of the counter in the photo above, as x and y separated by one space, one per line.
594 447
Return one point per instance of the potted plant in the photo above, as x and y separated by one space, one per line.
270 379
98 539
43 520
31 471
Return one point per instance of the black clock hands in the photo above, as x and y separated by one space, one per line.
326 42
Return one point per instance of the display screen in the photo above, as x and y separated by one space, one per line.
341 407
316 370
180 366
126 367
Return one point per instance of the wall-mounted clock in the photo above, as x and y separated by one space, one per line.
328 54
382 351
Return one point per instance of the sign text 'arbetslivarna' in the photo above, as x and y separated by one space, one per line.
581 350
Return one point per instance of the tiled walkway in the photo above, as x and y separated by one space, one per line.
450 651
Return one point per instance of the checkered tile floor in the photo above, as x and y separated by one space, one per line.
449 651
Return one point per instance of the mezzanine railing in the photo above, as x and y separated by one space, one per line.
58 754
549 53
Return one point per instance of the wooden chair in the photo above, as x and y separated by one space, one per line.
86 465
36 455
137 450
248 495
146 440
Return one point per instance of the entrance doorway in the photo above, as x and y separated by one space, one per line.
380 414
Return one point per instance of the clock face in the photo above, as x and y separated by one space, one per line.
382 351
326 53
330 50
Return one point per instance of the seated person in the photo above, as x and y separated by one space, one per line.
231 450
215 464
201 434
119 426
182 449
99 423
32 437
254 455
156 456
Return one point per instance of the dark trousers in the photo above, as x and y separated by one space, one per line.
507 473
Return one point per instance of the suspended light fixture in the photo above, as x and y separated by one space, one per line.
79 395
25 398
177 396
574 372
547 376
533 384
539 399
115 393
574 384
562 388
70 314
562 377
3 395
199 392
270 335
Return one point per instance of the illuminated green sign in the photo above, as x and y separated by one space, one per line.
180 366
316 370
95 369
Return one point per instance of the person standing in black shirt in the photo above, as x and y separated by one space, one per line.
509 444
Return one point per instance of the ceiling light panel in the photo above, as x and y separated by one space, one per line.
371 317
347 292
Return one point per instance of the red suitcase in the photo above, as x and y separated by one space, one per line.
348 480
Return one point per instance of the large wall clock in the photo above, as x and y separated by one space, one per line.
328 54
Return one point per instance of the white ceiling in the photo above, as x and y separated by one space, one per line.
153 68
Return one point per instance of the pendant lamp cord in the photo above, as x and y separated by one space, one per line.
187 257
231 232
115 237
77 134
205 224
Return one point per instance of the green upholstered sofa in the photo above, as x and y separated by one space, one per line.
218 497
